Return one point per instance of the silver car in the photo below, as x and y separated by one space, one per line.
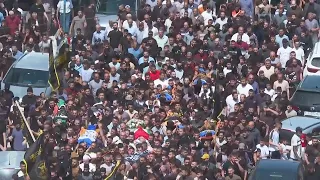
32 69
10 163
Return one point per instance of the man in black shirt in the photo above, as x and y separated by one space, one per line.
115 35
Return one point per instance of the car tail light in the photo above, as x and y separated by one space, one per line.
303 138
312 70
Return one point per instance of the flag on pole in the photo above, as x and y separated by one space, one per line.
111 176
35 161
53 81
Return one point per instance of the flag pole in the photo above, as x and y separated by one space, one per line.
216 134
25 121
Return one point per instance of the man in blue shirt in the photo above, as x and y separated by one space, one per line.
15 52
99 36
145 57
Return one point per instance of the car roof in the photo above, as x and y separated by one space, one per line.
299 121
277 164
11 159
316 50
310 82
33 60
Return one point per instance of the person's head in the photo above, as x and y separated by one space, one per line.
243 81
299 131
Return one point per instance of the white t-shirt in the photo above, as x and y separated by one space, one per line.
86 74
264 151
244 89
295 141
163 83
299 54
275 138
285 150
231 102
167 24
60 6
245 38
270 92
206 16
284 55
108 168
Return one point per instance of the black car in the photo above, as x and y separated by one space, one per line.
306 99
277 169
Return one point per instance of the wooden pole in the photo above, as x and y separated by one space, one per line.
25 121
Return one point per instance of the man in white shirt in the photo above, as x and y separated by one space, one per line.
274 142
65 14
231 101
222 20
284 53
295 153
161 39
207 15
161 81
244 37
244 87
299 52
86 72
263 148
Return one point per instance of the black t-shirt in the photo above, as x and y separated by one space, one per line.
38 8
115 37
14 117
312 152
235 167
34 115
29 100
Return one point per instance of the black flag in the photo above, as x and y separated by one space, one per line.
35 160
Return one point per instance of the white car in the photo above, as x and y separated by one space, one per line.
313 62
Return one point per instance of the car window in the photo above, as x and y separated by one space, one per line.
301 97
6 174
315 62
27 77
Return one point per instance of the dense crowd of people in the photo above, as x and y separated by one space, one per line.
177 90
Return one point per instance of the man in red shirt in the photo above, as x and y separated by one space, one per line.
154 73
13 22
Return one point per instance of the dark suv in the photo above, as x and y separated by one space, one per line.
306 99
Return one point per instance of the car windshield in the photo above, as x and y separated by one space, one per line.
315 62
306 98
111 7
27 77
